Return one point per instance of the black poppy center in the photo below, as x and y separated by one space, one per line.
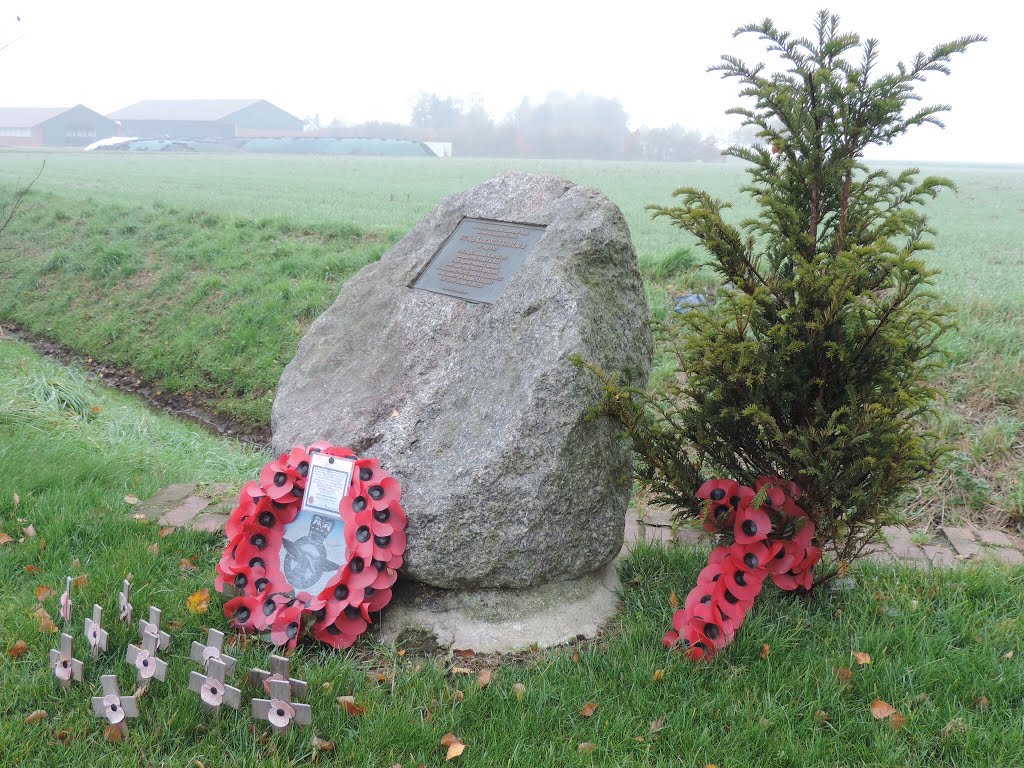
379 564
382 515
365 473
376 492
751 560
145 662
369 591
706 599
320 614
269 606
242 614
303 468
113 707
722 510
711 630
749 527
781 554
266 519
362 533
701 646
741 579
715 577
730 598
718 494
280 478
257 562
340 592
261 584
333 630
259 541
297 492
292 630
213 689
351 611
280 713
359 504
734 500
357 564
241 580
382 541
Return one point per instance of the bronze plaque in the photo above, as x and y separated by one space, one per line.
479 258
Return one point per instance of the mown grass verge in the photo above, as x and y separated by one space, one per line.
939 641
201 303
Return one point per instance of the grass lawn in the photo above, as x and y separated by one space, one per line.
203 271
940 641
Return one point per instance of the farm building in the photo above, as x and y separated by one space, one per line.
52 126
205 119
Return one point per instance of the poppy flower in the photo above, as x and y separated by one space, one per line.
698 645
243 611
698 595
386 577
112 709
358 534
92 632
368 471
339 450
353 621
144 664
212 692
287 626
385 493
124 608
376 599
263 545
387 521
718 490
281 713
788 555
791 489
706 619
752 525
63 668
744 584
298 459
388 548
733 609
710 574
277 480
358 573
328 632
670 639
754 557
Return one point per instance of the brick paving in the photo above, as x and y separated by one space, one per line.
205 507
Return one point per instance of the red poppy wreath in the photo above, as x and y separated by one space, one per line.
313 546
769 536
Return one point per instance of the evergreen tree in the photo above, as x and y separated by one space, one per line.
812 364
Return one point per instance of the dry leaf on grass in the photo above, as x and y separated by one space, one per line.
44 592
1008 654
588 709
882 709
323 746
659 675
35 717
113 734
62 737
765 650
450 738
656 726
32 569
862 658
821 716
673 601
844 675
198 602
586 747
484 678
131 500
153 549
17 499
897 721
520 690
29 531
350 706
458 695
186 565
454 751
953 726
5 539
45 622
20 648
163 533
462 671
981 702
466 653
80 581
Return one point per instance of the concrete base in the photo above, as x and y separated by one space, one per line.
499 620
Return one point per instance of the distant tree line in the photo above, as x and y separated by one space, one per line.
581 126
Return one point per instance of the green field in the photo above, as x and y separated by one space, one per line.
202 272
945 644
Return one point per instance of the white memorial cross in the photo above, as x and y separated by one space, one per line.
124 608
95 634
260 678
152 627
145 661
214 649
279 710
113 706
211 687
63 663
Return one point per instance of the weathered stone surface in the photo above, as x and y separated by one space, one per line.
476 408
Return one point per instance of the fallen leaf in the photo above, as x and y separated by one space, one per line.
35 717
484 678
95 409
175 626
323 746
29 531
897 721
42 544
862 658
844 675
765 650
165 532
454 751
76 564
198 602
673 601
520 690
576 656
31 569
882 709
45 622
1008 654
659 675
821 716
586 747
5 539
44 592
450 738
20 648
588 709
131 500
349 703
63 737
400 651
981 702
466 653
186 565
80 581
17 499
462 671
953 726
458 695
153 549
327 686
656 725
113 734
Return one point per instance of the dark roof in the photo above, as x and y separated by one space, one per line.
183 109
28 117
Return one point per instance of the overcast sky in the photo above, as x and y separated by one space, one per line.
370 60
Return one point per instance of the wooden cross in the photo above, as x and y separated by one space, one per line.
279 710
113 706
260 678
211 687
124 607
203 654
63 663
65 601
145 661
152 627
95 634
